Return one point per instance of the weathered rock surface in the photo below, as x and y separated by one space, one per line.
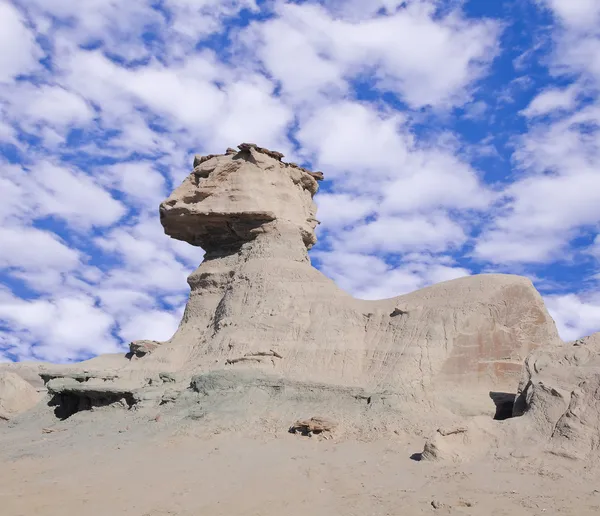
257 304
559 396
257 294
314 425
229 199
16 395
557 410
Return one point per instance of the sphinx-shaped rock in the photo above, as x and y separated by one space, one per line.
256 304
256 293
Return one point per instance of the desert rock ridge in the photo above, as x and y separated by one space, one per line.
261 321
257 303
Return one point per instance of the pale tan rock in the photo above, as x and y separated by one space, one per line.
256 302
314 425
559 396
141 348
16 395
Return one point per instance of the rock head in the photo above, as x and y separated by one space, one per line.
228 199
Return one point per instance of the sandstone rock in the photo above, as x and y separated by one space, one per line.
314 425
559 397
228 200
141 348
16 395
252 146
254 216
257 304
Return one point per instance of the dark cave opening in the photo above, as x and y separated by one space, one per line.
68 403
504 402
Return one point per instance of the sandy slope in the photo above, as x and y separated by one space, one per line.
180 473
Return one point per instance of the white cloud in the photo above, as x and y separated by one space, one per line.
72 196
577 14
595 248
47 189
575 316
434 232
337 210
60 329
558 197
139 181
435 180
56 106
152 325
552 100
347 137
30 249
370 277
19 53
425 58
148 262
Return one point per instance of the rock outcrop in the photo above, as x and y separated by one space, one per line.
16 395
256 304
557 410
559 396
257 300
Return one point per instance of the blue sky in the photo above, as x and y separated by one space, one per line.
457 137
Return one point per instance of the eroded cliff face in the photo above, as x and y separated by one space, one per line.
256 301
257 307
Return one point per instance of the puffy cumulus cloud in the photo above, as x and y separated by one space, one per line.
552 100
338 210
433 180
152 325
19 52
139 181
534 231
595 248
558 195
21 250
147 261
436 233
575 315
371 277
363 148
203 103
578 15
58 329
47 189
176 25
556 198
355 140
425 57
577 36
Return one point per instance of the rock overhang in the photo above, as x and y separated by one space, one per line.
229 198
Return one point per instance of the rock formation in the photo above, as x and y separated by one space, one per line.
256 299
16 395
557 410
559 396
261 318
